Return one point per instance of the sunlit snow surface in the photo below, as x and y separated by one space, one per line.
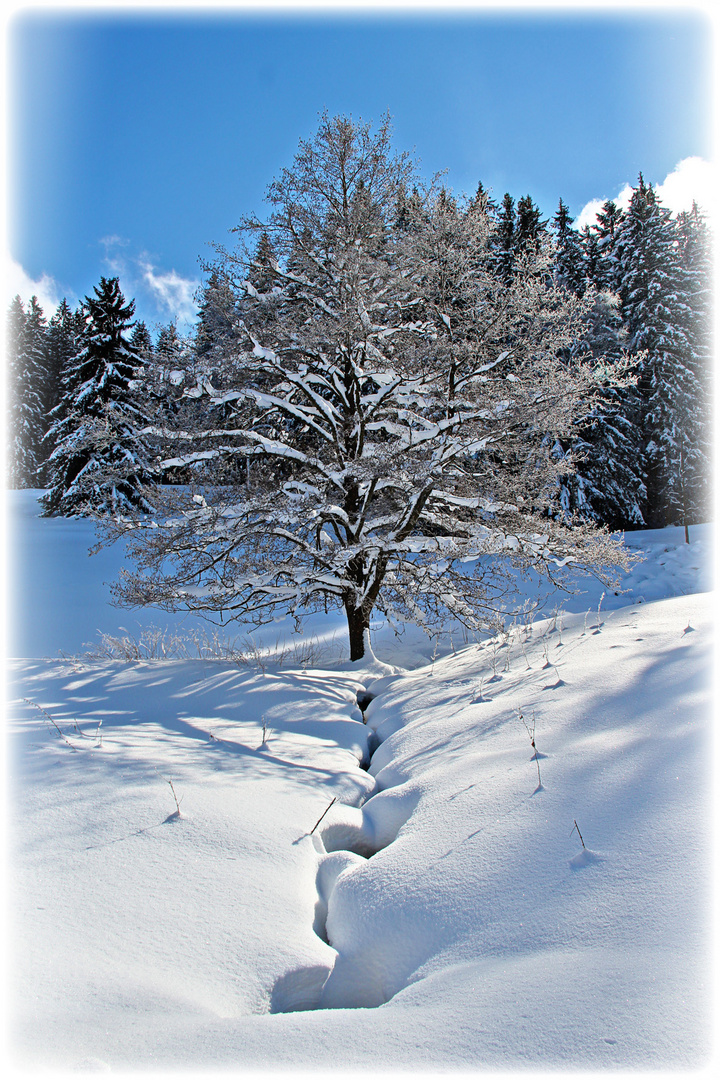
442 911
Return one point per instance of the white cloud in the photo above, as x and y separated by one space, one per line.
623 197
17 282
170 294
692 178
588 214
173 292
113 241
113 259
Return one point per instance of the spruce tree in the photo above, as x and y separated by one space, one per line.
606 230
99 462
215 325
696 262
27 375
483 202
168 345
605 482
505 240
590 250
530 227
569 268
140 341
654 292
64 342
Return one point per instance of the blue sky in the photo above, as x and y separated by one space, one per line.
137 140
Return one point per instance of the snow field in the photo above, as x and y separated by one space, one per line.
441 912
475 917
124 905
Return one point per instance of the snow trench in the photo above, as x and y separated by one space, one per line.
346 840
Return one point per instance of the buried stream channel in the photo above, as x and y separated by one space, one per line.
344 838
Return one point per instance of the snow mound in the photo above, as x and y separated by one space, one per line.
586 857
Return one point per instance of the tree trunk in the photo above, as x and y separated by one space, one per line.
358 623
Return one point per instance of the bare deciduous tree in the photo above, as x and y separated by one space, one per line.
394 406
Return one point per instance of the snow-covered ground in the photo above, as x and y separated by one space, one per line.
468 900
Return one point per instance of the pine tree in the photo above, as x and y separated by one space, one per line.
483 202
569 267
590 250
530 227
64 342
262 273
654 292
141 341
505 239
605 483
27 376
98 465
215 325
606 271
695 255
168 345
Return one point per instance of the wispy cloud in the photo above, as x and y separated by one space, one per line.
692 179
166 294
174 293
114 258
17 282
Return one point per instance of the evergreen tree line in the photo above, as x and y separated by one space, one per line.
95 405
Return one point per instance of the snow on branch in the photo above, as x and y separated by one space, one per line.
394 401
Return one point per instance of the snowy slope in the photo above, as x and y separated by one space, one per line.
443 913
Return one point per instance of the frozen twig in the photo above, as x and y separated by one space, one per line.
530 728
177 803
46 713
334 799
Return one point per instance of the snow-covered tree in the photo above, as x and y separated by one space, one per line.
655 291
605 455
695 254
26 378
141 341
569 261
605 481
64 340
216 316
168 345
590 251
530 227
98 464
604 271
504 238
393 401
